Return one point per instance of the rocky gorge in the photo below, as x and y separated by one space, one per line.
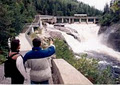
111 35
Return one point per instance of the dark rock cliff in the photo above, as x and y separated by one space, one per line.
112 35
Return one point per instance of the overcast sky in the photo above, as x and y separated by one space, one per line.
99 4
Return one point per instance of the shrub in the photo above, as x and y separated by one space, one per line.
2 58
87 66
62 51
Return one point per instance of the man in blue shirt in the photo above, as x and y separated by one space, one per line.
37 60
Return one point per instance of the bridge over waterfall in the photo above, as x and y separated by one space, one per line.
72 19
69 19
79 18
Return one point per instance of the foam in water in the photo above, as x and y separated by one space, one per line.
90 41
92 44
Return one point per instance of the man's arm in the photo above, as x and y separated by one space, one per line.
50 50
43 54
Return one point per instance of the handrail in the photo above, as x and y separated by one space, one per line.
28 30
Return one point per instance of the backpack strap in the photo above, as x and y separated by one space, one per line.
20 55
13 55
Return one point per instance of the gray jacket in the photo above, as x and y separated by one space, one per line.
40 69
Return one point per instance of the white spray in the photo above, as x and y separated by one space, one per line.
90 41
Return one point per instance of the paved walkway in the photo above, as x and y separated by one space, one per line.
25 46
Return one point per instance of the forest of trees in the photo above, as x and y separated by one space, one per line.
13 16
15 13
64 8
111 13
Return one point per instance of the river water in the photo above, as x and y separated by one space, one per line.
92 44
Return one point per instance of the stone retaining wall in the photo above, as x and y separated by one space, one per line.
64 73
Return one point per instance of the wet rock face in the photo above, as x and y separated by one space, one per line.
76 37
102 29
114 39
63 29
69 31
116 70
114 35
55 34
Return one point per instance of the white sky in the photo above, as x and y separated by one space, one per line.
99 4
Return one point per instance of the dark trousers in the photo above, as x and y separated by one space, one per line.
17 80
43 82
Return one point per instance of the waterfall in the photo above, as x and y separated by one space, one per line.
90 43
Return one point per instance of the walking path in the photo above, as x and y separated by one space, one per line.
25 46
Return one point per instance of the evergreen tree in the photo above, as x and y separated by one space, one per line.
13 15
111 14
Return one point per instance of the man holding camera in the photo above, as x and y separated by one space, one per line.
37 60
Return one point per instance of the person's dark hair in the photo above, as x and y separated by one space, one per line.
14 45
36 42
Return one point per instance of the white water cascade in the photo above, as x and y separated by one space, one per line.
90 42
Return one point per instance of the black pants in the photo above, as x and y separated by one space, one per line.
17 80
43 82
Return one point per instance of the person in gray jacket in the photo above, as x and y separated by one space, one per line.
37 60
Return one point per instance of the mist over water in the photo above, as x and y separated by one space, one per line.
90 43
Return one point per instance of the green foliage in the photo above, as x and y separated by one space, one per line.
64 7
2 59
115 7
13 15
62 51
111 14
106 20
3 54
105 77
87 66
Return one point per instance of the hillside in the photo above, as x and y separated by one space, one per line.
64 8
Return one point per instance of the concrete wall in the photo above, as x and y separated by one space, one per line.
64 73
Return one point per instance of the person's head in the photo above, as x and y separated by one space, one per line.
36 42
15 45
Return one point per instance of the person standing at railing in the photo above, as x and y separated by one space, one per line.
37 60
